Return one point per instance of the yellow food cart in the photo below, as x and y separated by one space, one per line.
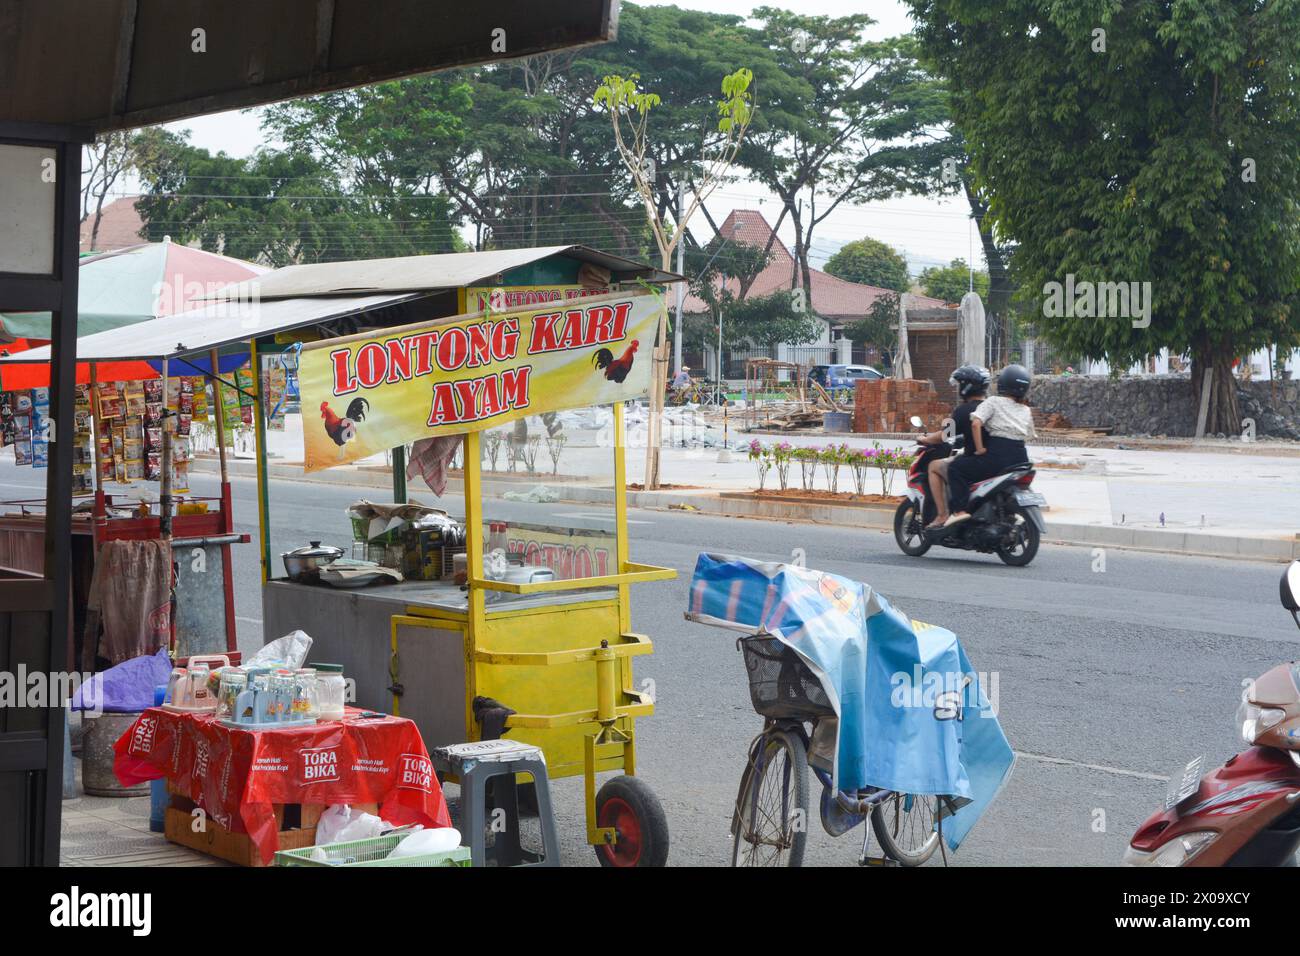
556 652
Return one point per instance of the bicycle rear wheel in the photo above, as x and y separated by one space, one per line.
905 827
771 819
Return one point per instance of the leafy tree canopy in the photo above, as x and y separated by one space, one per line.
953 281
752 321
871 262
1138 142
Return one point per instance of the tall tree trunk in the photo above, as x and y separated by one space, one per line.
658 383
999 304
1224 414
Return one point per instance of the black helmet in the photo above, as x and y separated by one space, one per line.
970 380
1013 381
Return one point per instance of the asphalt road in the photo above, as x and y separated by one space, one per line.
1106 680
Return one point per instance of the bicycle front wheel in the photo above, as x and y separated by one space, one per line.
771 820
905 827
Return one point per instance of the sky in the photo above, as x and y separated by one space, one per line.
928 231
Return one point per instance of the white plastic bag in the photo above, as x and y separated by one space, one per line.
437 840
288 651
340 823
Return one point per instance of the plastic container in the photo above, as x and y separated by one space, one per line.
331 690
371 852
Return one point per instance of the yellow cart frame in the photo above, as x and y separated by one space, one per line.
575 698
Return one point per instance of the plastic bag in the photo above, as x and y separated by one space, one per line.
340 823
288 651
438 840
124 687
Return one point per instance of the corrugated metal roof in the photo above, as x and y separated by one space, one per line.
425 273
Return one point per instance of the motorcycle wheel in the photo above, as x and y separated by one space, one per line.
907 529
1022 551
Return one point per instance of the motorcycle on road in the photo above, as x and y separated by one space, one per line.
1006 517
1247 812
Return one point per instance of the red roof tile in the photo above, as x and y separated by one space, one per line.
836 299
119 226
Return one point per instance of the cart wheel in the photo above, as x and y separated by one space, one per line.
629 806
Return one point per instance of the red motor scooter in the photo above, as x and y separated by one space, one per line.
1247 812
1005 514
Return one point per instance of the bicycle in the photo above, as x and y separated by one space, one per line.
769 821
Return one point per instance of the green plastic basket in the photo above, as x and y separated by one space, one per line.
372 852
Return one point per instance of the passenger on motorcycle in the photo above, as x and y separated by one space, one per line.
1000 426
972 384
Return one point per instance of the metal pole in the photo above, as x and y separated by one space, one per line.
219 417
259 433
717 386
399 474
165 494
681 270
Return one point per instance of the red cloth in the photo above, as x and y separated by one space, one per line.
237 775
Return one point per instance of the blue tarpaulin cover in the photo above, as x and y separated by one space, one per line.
913 714
124 687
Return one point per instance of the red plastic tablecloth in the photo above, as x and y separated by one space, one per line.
237 775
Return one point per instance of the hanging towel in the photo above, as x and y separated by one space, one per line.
131 590
430 458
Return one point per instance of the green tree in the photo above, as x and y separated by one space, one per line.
843 118
953 281
870 262
720 269
1143 142
877 327
275 207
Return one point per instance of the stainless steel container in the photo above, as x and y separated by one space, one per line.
304 564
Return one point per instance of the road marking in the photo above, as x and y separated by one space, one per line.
1118 771
598 516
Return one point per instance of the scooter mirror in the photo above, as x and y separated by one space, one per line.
1290 587
916 422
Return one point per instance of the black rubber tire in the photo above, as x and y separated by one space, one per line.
1030 531
890 820
794 837
635 795
903 517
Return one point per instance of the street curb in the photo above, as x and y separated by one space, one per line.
732 505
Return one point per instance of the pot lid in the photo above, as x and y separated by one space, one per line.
314 550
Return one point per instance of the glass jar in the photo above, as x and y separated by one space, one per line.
331 690
306 698
233 682
282 687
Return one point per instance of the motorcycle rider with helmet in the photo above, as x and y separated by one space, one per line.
1000 426
972 384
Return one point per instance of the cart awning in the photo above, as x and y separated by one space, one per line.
192 333
423 273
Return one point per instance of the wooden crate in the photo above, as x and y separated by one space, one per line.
235 847
216 840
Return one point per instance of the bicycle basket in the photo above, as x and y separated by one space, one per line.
780 683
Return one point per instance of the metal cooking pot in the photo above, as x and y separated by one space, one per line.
304 564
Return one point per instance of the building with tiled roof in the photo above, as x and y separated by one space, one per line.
119 226
837 301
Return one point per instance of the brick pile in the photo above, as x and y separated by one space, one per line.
888 404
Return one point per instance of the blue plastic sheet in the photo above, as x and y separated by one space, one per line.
913 714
